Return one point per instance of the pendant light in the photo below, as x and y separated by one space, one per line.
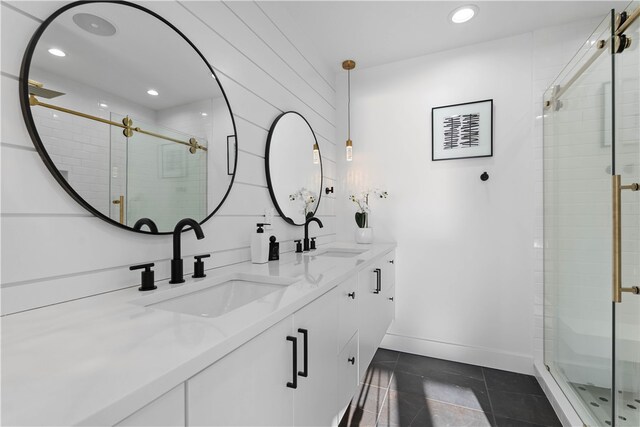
349 65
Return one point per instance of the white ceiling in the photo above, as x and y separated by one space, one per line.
379 32
143 54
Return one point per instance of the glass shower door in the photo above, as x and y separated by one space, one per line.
592 225
578 149
626 358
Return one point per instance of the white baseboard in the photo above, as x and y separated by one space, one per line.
490 358
567 415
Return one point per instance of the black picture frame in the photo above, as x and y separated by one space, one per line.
462 131
231 164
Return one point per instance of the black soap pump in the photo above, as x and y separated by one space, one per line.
274 249
259 246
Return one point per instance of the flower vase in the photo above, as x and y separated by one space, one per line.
364 235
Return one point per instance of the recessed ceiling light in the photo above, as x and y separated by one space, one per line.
94 24
152 92
204 114
463 13
103 105
57 52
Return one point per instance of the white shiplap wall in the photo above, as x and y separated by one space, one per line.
53 250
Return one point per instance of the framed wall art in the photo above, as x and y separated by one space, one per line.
462 131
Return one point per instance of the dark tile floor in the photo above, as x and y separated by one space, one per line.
402 389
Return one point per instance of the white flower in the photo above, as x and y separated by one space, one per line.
307 197
362 200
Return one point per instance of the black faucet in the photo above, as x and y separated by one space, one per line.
148 222
306 230
176 262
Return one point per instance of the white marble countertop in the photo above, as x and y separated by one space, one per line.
96 360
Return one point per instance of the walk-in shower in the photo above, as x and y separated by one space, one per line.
592 224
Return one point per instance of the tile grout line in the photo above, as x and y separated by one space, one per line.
486 387
386 394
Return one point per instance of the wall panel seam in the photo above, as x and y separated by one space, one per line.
258 66
280 57
295 47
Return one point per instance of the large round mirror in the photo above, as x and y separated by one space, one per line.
294 168
128 115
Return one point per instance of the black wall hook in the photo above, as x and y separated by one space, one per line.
328 190
484 176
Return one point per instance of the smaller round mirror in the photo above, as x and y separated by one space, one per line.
294 168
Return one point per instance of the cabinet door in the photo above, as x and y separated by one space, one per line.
248 387
376 306
347 310
370 322
167 410
389 270
348 372
315 401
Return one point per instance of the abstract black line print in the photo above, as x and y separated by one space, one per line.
451 132
461 131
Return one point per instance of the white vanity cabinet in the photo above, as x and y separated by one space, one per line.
348 296
248 386
348 378
167 410
376 293
253 384
315 400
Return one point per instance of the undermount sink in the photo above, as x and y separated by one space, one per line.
341 252
213 298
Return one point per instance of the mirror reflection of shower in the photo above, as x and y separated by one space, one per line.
159 179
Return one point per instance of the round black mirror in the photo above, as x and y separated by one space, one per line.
128 115
294 168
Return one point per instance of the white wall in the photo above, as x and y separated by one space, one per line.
53 250
468 274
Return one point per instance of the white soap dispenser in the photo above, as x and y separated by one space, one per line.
259 246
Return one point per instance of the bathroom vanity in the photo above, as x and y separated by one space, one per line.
283 343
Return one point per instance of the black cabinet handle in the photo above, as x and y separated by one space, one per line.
305 355
378 280
294 383
390 298
391 261
352 360
352 295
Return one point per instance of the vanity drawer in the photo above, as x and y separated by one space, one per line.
347 310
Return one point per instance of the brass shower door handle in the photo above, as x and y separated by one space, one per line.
120 201
616 198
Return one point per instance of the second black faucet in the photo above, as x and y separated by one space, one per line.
176 261
306 230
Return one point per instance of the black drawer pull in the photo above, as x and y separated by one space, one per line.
378 280
352 360
294 384
390 298
305 359
391 261
352 295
